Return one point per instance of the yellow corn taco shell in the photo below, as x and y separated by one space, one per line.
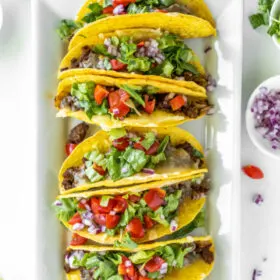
187 211
139 34
102 142
158 118
186 26
198 270
196 7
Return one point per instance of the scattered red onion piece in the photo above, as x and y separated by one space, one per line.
258 199
211 83
266 110
148 171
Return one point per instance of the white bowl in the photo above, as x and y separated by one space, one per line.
263 144
275 13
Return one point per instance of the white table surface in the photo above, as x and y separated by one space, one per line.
260 224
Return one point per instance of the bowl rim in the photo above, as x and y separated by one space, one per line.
255 137
272 14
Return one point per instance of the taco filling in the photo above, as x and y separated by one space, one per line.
142 265
167 56
132 153
131 214
129 100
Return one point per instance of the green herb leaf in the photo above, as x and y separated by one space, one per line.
96 12
67 29
257 20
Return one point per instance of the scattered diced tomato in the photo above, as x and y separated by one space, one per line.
177 102
134 198
149 105
77 240
75 219
253 172
81 205
99 169
117 65
112 221
69 147
116 102
153 149
100 219
154 264
141 44
149 223
120 204
154 198
135 228
143 278
108 10
108 208
94 204
121 144
122 2
121 269
100 93
138 146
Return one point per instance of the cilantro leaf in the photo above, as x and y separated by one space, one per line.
67 28
94 14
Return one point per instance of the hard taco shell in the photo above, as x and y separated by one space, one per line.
102 142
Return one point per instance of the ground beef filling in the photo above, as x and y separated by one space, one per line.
192 109
78 133
193 189
71 177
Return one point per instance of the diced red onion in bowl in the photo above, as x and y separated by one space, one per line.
78 226
266 110
148 171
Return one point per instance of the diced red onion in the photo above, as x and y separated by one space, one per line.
163 270
141 270
124 170
258 199
118 10
127 263
58 203
112 213
266 110
87 215
87 207
164 265
87 222
66 258
116 111
78 226
256 274
173 225
148 171
103 228
107 42
83 201
94 230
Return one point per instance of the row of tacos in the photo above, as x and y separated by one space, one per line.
131 191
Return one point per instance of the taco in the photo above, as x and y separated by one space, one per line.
185 26
132 156
129 53
112 103
186 258
143 212
93 10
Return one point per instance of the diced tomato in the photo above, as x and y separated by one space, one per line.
117 65
121 269
253 172
108 10
121 144
153 149
94 204
75 219
154 198
108 208
112 221
69 147
100 219
143 278
122 2
149 223
138 146
81 206
100 93
141 44
134 198
149 105
130 272
116 103
154 264
161 11
177 102
120 204
99 169
77 240
135 228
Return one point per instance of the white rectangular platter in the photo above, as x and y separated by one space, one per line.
219 133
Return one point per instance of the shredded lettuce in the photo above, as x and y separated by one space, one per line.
148 140
141 257
66 210
117 133
136 96
126 242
